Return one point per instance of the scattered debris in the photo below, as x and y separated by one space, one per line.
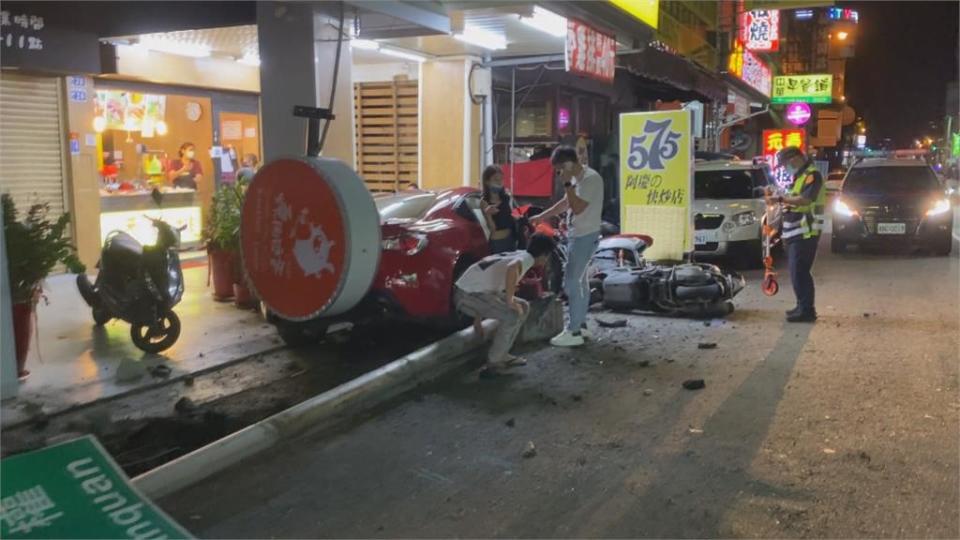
644 363
185 405
619 323
201 355
829 451
161 371
696 431
581 461
928 417
866 315
694 384
709 345
129 370
188 380
530 450
511 422
647 392
577 397
706 323
670 360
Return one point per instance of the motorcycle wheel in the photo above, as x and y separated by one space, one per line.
158 337
100 316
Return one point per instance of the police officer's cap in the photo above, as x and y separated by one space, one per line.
788 153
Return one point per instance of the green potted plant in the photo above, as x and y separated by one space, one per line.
223 245
35 246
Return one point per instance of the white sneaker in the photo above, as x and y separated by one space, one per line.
566 339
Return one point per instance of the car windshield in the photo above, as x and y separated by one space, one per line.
405 206
890 181
727 184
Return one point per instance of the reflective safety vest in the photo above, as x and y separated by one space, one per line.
810 222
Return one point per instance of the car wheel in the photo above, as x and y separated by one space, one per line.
837 245
750 256
300 334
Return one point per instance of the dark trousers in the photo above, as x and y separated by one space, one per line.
802 253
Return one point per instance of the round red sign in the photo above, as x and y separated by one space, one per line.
294 239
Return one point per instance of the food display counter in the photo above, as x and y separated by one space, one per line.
125 211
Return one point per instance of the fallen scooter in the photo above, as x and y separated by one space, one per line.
140 285
691 289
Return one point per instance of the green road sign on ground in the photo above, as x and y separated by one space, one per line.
75 490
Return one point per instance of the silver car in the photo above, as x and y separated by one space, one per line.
728 206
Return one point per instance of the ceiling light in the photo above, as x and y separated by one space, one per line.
546 21
250 59
402 54
365 44
174 47
482 38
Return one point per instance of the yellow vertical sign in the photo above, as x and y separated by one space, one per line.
656 180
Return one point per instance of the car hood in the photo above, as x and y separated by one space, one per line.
726 206
894 200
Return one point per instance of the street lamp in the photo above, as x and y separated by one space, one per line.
842 36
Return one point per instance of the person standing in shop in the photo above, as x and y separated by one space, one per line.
186 171
248 169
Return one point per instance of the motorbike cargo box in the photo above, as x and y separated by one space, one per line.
624 290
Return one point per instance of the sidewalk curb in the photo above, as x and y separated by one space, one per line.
325 409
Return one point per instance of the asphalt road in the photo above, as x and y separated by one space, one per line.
845 428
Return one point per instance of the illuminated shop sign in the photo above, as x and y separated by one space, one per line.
760 30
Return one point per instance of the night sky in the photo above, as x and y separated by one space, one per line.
906 52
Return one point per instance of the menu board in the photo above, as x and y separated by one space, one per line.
131 111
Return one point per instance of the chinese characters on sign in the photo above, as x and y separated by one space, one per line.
760 30
26 510
807 88
590 53
17 31
656 179
745 65
775 140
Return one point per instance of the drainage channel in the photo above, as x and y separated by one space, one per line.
146 430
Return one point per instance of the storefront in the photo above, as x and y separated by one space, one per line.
141 133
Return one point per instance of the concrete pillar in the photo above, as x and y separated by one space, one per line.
287 75
9 384
84 180
450 125
340 139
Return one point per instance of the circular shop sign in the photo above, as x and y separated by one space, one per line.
310 237
798 113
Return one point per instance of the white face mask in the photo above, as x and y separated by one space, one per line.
190 154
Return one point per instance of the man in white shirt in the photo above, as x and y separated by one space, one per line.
583 197
487 290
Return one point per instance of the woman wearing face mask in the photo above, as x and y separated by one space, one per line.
186 171
498 212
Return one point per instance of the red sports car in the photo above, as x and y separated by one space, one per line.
428 239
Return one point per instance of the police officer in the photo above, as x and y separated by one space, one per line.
803 206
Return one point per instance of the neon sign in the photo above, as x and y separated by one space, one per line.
760 30
798 113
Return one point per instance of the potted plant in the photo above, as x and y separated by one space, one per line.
223 245
34 247
221 235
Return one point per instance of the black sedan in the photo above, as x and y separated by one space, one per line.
898 201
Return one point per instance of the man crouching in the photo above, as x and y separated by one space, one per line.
487 290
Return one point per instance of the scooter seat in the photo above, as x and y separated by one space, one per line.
122 255
122 244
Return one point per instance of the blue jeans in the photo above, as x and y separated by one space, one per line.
575 279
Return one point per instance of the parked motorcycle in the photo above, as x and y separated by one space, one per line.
693 289
140 285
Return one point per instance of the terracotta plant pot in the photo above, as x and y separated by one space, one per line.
22 331
222 269
243 298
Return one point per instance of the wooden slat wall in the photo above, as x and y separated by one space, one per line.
387 134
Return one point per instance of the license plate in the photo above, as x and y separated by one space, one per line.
891 228
704 237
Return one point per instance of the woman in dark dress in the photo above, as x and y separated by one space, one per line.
498 212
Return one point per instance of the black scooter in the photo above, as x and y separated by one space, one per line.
139 284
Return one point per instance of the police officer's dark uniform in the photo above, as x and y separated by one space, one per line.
801 233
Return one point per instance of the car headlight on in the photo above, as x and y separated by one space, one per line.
844 209
940 207
745 219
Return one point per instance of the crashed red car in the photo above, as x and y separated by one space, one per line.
427 240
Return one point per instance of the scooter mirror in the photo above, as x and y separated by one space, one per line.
157 197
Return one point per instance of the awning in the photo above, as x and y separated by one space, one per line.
742 87
676 71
